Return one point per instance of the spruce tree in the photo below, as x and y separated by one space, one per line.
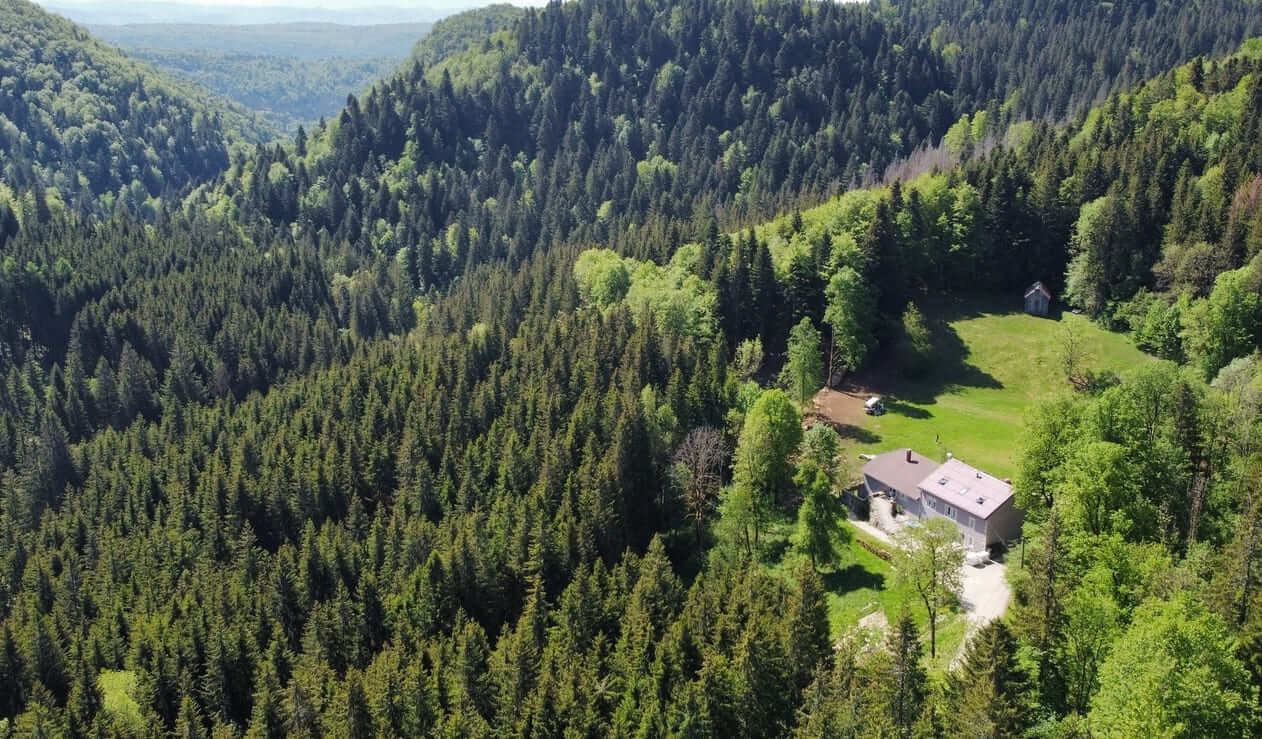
989 693
908 682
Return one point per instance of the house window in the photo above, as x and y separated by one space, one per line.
950 512
972 522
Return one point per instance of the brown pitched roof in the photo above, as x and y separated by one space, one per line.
893 470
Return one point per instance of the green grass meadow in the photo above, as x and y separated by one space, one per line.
990 363
861 584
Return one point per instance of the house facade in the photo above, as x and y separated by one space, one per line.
980 505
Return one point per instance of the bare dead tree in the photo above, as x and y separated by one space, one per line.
1072 354
698 471
836 362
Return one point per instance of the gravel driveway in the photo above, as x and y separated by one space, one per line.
986 593
985 598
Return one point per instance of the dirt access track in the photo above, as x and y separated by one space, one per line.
841 409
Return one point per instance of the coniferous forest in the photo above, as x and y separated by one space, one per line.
483 407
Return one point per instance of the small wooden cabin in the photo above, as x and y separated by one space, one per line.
1038 299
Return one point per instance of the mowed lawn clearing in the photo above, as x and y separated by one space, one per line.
990 363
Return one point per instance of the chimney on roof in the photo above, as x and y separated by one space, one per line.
908 456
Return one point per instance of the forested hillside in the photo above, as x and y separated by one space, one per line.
555 132
1142 213
455 33
480 411
1049 60
81 125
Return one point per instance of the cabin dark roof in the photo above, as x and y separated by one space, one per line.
1037 287
893 470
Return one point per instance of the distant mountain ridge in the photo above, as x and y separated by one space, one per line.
286 91
211 13
303 40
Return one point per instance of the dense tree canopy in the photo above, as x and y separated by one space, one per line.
421 424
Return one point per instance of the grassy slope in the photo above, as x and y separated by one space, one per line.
993 363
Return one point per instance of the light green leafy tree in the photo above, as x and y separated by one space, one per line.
1092 619
820 534
1174 673
1102 488
748 358
917 344
1226 325
928 562
1087 278
1051 429
850 313
603 277
804 372
762 469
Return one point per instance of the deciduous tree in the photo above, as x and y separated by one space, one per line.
804 371
928 560
698 471
1174 673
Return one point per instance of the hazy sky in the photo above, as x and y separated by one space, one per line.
337 4
111 12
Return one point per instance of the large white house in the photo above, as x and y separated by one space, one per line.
979 504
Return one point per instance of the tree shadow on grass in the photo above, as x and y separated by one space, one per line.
853 577
948 368
844 430
861 435
911 411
